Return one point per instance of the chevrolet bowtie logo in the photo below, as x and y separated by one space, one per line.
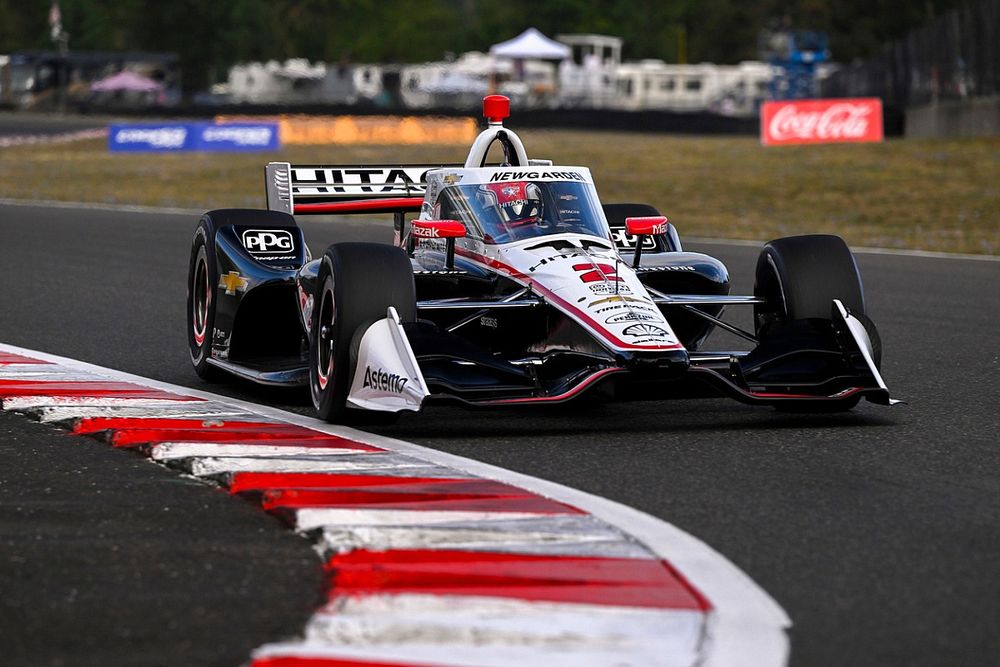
234 282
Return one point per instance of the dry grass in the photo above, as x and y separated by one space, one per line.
930 195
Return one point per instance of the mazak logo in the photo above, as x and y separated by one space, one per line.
631 316
268 241
594 273
426 232
376 378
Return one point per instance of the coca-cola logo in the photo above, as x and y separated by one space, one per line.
823 121
840 121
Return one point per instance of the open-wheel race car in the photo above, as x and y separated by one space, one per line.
512 285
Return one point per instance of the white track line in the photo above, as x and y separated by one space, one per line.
745 620
159 210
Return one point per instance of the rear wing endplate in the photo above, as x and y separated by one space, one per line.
304 189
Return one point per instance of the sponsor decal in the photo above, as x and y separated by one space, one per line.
194 137
647 269
537 175
166 137
624 240
632 316
489 322
647 330
402 181
623 306
592 273
426 232
233 282
218 335
376 378
821 121
451 179
256 136
614 288
617 299
268 241
437 229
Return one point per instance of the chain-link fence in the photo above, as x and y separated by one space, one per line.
956 56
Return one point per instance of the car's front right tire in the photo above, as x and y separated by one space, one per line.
357 283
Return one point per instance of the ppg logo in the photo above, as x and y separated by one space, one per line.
268 241
625 241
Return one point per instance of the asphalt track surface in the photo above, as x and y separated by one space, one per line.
878 530
39 124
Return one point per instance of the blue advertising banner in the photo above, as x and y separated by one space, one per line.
244 137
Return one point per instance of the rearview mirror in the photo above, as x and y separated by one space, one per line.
641 227
440 229
653 225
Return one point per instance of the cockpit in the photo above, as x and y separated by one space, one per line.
505 211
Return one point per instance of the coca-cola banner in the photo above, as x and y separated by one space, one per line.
821 121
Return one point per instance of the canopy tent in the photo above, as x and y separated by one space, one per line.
531 44
126 80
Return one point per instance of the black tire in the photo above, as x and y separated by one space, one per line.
203 276
357 282
800 276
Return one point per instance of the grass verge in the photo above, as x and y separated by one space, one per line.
941 195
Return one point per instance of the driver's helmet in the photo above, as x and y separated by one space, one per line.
515 203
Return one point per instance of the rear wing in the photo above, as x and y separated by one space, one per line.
303 189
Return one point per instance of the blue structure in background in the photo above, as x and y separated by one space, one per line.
228 137
794 54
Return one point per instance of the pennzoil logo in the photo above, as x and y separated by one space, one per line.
632 316
376 378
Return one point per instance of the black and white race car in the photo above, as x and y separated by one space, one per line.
512 285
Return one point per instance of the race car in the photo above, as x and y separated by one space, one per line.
509 284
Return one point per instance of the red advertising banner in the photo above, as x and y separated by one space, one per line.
821 121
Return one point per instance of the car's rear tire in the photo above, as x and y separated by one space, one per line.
357 283
203 276
799 277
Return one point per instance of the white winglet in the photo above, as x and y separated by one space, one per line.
387 377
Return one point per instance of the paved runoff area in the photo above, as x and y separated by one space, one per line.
429 558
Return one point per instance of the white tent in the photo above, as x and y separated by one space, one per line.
531 44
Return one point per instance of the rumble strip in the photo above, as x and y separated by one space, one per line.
432 559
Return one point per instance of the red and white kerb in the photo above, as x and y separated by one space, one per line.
428 562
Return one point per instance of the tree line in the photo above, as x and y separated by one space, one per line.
211 36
